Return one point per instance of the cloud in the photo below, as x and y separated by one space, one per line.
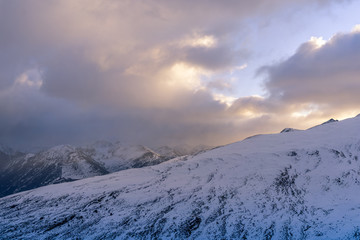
326 76
76 70
254 106
321 80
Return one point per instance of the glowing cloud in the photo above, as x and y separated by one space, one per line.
241 67
30 78
306 111
356 28
228 100
198 40
185 75
317 42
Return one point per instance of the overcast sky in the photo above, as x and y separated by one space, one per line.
160 72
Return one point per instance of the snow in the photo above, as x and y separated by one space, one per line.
116 156
297 185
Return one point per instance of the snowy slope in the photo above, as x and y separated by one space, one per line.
293 185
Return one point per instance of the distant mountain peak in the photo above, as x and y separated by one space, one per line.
285 130
331 120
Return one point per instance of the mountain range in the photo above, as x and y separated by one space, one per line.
301 184
65 163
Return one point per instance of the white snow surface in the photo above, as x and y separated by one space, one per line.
294 185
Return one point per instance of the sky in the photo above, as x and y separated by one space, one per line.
167 72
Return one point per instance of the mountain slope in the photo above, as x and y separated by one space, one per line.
65 163
116 157
59 164
294 185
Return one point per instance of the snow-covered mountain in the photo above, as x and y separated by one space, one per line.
65 163
58 164
115 156
293 185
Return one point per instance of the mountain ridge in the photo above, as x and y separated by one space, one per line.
298 185
65 163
